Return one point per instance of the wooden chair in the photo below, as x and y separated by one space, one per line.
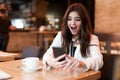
108 71
48 41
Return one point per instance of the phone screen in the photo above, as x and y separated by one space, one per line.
58 51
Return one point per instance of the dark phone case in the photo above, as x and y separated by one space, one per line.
58 51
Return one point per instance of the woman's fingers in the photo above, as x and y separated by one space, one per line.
60 57
68 57
71 65
60 64
69 62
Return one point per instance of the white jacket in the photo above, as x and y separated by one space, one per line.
93 61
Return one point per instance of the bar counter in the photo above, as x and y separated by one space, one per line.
19 39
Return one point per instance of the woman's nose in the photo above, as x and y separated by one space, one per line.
72 22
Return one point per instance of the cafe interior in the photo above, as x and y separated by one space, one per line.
37 23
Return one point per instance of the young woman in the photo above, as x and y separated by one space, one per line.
76 38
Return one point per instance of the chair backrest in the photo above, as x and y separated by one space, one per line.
116 71
31 51
108 71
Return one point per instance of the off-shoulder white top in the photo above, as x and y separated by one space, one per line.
93 61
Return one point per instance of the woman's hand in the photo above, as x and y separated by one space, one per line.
54 62
73 64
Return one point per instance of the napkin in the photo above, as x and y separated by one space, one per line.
4 75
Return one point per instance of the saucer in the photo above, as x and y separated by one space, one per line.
31 70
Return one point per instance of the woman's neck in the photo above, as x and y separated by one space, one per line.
75 38
75 41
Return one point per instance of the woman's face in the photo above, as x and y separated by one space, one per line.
74 22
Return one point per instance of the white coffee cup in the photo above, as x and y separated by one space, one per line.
30 63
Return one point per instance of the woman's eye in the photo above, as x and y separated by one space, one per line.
77 19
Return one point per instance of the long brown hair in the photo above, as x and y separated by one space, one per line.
84 32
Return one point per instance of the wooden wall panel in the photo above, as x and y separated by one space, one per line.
107 16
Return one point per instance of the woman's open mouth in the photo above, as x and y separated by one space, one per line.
73 30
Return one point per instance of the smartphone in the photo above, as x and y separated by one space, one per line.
58 51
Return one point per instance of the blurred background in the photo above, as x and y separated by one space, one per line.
38 21
34 13
40 15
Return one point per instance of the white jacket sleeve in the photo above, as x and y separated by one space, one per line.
95 60
56 43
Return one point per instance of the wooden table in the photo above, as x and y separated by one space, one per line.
14 69
5 56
